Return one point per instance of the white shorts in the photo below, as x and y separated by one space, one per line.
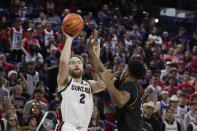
62 126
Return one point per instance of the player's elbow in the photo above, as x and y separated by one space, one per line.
119 105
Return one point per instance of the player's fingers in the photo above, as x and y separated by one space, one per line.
95 34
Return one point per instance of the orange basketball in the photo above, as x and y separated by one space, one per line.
72 24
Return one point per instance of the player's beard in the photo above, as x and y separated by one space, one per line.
76 74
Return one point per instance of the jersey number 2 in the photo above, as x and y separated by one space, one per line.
82 101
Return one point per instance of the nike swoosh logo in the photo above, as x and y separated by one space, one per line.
69 25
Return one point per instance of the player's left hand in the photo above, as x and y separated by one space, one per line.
107 75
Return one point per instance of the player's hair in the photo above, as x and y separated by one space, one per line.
136 68
78 56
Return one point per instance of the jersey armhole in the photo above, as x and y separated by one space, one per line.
90 86
59 92
135 100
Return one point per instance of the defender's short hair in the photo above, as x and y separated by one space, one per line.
136 68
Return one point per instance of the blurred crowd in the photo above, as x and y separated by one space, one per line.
31 41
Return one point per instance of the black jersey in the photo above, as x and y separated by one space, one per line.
129 117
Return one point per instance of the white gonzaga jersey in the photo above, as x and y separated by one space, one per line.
76 105
172 127
47 35
17 37
194 126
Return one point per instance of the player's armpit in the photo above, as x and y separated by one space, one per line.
64 84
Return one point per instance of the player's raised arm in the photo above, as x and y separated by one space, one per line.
99 67
63 75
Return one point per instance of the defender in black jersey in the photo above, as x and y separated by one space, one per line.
125 93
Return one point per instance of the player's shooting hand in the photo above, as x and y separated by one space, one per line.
107 75
69 37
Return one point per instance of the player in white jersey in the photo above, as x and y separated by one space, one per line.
77 102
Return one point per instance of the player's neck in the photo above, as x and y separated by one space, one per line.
130 78
78 79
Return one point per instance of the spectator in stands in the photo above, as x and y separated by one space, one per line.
134 45
52 43
32 76
135 32
40 39
128 41
32 122
174 73
34 55
173 101
51 67
161 83
148 51
182 107
6 65
166 40
12 124
38 94
186 87
8 110
4 45
153 89
155 36
41 18
3 90
47 32
181 38
193 125
64 13
13 78
45 90
193 41
187 62
37 111
53 18
80 47
16 35
139 53
169 122
102 14
163 104
193 57
96 124
19 102
28 41
172 89
50 6
179 52
189 117
149 109
170 56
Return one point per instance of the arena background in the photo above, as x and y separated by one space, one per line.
161 33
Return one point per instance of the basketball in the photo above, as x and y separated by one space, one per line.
72 24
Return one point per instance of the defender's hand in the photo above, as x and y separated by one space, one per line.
92 40
107 75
